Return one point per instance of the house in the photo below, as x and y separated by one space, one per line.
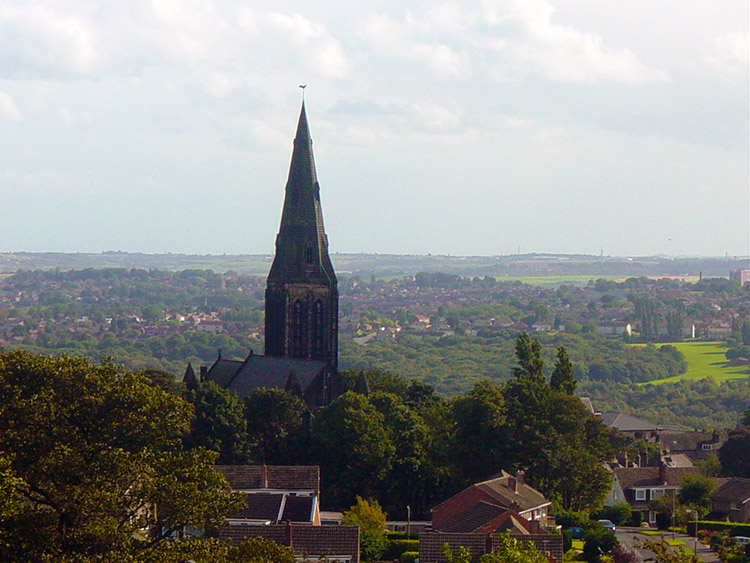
274 494
483 502
478 530
339 544
732 501
635 427
695 444
638 486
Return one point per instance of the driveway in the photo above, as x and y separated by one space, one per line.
629 537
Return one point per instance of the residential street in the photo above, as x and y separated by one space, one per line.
630 537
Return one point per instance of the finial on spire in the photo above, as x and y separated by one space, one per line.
303 86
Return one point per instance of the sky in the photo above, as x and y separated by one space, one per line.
464 128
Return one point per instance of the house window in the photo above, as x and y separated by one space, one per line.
652 517
656 493
640 494
706 447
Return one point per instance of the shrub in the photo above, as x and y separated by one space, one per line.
408 557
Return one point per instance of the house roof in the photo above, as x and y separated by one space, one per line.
627 423
303 539
736 489
277 477
637 477
687 441
261 506
498 491
473 517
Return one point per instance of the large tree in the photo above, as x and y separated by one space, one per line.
353 447
277 432
735 453
95 455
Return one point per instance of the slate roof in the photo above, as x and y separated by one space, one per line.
688 441
298 509
525 497
261 506
627 423
736 489
473 517
278 477
262 372
630 477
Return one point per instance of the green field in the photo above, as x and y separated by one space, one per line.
705 359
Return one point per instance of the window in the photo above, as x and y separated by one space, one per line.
318 330
706 447
640 494
309 255
652 517
656 493
298 330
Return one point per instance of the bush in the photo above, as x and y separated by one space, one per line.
734 528
408 557
617 513
636 519
598 541
396 548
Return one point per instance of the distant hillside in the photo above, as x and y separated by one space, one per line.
392 265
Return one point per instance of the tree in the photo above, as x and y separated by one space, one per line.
95 455
511 550
695 492
218 423
563 379
529 357
276 429
480 426
353 448
598 541
371 521
735 453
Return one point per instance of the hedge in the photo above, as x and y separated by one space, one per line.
409 557
734 528
397 547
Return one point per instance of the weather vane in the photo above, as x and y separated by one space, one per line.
303 86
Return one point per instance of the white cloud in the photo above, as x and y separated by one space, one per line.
8 108
729 53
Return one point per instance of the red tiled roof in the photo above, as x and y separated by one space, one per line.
279 477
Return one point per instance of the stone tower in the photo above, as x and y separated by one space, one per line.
302 297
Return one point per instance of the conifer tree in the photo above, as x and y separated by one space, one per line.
562 379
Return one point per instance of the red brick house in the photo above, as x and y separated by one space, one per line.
732 501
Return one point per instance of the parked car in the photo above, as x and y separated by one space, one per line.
607 524
742 540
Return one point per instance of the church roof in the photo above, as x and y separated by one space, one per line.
259 371
302 245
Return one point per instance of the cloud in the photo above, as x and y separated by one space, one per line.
8 108
729 53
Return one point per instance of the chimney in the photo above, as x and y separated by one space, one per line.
513 484
287 533
520 474
662 472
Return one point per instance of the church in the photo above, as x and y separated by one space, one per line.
301 353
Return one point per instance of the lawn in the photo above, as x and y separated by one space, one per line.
705 359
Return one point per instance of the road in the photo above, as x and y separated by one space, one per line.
630 537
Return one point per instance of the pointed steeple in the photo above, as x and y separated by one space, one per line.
302 244
301 290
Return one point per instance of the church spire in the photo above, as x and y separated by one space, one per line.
301 291
302 244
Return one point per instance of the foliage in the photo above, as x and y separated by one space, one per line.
663 554
618 514
695 492
598 541
529 357
92 450
353 448
735 453
563 379
511 550
371 521
276 432
218 423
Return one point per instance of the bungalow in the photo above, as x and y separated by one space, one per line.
732 501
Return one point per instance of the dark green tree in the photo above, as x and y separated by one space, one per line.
735 453
695 492
94 451
218 423
529 357
563 379
276 429
353 448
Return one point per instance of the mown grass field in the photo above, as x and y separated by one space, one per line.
705 359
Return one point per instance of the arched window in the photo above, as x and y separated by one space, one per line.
309 254
318 330
298 330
